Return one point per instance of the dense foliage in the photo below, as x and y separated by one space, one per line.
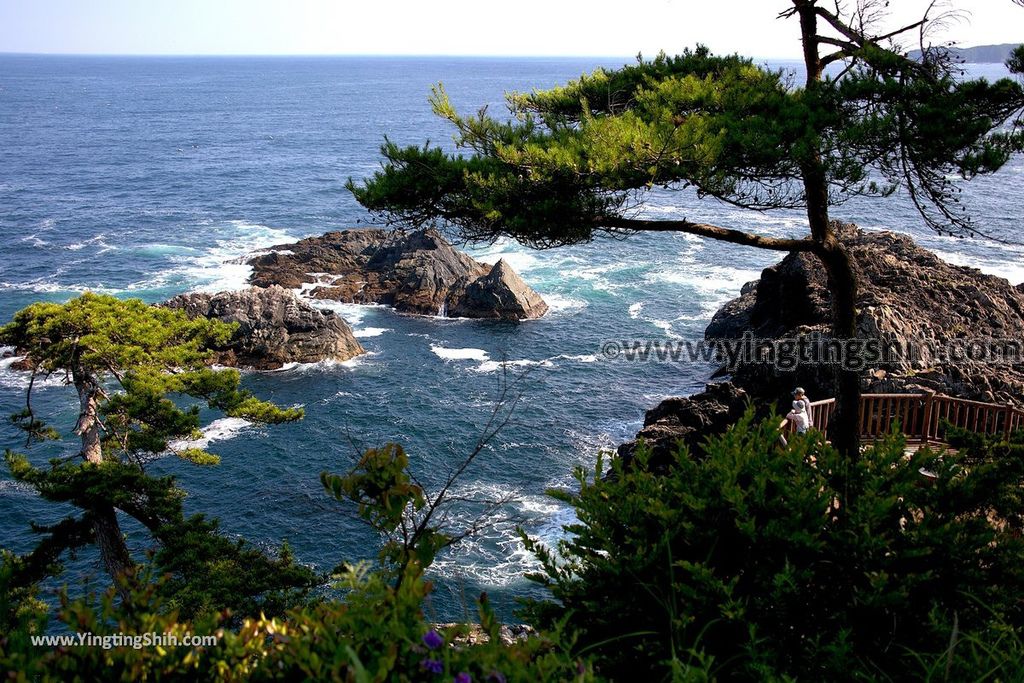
750 561
755 562
572 159
377 632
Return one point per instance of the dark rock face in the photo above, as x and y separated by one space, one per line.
909 299
688 420
274 327
499 294
416 272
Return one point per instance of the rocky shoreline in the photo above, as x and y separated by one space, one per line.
909 299
415 272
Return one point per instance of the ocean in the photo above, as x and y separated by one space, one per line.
148 177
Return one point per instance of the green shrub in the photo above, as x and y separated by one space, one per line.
755 562
378 633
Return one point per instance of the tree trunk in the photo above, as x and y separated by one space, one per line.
113 550
88 426
842 280
842 285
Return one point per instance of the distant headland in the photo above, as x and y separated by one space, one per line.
980 54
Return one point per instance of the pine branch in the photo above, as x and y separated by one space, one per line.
711 231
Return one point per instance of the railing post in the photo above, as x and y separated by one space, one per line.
1013 420
927 421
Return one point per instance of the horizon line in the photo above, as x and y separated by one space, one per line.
391 55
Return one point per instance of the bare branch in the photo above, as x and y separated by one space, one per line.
713 232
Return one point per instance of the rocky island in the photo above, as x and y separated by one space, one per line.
275 327
414 272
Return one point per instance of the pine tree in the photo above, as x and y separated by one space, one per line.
134 368
577 161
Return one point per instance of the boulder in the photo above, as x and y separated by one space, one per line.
686 420
274 327
499 294
414 272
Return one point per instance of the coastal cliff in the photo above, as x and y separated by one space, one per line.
934 326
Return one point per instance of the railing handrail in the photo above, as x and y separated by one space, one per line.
920 414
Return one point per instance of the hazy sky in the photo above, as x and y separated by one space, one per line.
445 27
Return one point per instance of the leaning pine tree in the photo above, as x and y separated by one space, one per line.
576 161
134 367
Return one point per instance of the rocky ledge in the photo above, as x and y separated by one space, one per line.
274 327
415 272
687 420
908 298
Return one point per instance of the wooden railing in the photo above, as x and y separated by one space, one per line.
921 416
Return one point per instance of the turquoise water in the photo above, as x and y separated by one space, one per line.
150 177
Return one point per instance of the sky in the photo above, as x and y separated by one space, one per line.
442 27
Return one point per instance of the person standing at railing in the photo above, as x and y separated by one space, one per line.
800 415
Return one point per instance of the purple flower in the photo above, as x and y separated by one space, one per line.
433 639
463 677
432 665
495 677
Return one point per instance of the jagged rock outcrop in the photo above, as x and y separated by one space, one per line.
909 301
415 272
688 419
274 327
499 294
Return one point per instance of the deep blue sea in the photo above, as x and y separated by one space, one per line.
147 177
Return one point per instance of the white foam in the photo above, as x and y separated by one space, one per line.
97 244
715 285
337 395
585 358
11 487
219 269
634 310
19 379
267 252
34 240
319 280
47 285
370 332
666 327
493 365
597 276
459 354
1011 270
328 365
359 360
561 304
496 556
520 258
220 429
353 314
